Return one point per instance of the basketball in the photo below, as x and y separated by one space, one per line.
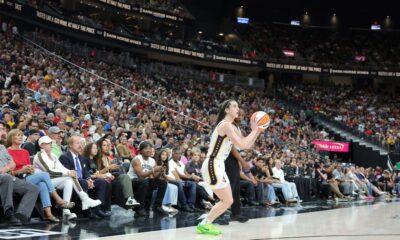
262 119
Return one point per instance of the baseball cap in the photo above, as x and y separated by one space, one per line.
55 129
87 117
44 139
5 106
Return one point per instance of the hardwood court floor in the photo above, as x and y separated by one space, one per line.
314 220
378 221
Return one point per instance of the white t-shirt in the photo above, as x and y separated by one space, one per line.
14 30
172 165
278 173
146 166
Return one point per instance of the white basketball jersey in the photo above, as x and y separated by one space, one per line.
220 146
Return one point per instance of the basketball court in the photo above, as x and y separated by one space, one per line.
376 221
314 220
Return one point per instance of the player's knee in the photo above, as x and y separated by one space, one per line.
229 201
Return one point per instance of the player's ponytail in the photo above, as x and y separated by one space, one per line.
221 112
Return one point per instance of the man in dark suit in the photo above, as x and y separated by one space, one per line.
74 161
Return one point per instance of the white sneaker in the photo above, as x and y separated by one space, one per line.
173 210
132 202
87 202
68 215
166 209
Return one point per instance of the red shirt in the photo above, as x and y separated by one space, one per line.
20 157
133 150
368 132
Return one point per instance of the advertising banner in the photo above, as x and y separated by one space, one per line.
331 146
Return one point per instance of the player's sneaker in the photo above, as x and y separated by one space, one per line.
208 229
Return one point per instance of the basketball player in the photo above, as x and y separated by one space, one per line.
213 170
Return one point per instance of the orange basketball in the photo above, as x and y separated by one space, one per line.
262 119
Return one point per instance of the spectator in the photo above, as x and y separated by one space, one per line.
347 186
289 189
55 135
203 192
123 149
144 174
61 177
171 194
385 182
360 173
39 94
24 169
248 182
31 141
131 147
329 177
110 169
186 188
10 185
397 183
72 160
261 174
9 120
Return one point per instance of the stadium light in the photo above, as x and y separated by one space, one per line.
334 20
221 34
200 32
239 12
306 19
387 23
